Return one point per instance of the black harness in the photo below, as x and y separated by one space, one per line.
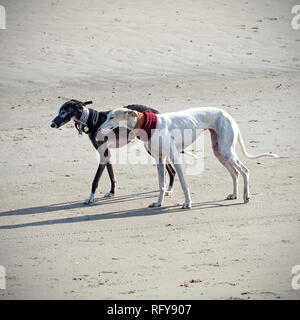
93 122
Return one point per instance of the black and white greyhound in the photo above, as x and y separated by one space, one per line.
88 120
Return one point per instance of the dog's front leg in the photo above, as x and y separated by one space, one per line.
99 172
104 158
161 181
184 185
178 167
110 170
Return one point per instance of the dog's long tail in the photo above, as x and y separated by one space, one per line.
241 142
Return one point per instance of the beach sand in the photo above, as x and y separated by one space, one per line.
242 56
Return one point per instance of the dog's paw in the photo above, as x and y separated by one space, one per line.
109 195
231 196
155 204
186 205
89 200
246 199
168 193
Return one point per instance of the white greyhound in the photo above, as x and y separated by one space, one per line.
165 146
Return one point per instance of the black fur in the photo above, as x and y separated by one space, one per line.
74 108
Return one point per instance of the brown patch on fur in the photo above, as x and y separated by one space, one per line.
141 120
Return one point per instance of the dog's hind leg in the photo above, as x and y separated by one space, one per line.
236 163
233 172
228 133
235 179
172 174
232 159
110 170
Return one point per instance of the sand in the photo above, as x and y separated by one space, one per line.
242 56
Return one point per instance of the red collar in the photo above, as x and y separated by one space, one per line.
147 122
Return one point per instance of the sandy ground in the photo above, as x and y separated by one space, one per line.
242 56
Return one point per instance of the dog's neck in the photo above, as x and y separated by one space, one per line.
88 119
84 116
145 123
139 121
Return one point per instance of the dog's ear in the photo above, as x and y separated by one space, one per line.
76 104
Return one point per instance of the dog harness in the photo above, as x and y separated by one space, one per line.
89 119
84 115
147 122
81 123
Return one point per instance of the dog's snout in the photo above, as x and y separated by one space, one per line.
53 125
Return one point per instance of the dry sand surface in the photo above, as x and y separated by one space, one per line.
242 56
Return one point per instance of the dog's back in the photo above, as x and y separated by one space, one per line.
141 108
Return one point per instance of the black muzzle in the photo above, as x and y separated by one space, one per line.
59 121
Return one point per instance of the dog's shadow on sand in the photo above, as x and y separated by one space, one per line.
102 216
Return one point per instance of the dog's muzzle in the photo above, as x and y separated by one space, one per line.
58 121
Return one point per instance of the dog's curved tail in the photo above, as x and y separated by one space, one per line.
241 142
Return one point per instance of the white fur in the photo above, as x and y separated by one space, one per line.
197 119
90 199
